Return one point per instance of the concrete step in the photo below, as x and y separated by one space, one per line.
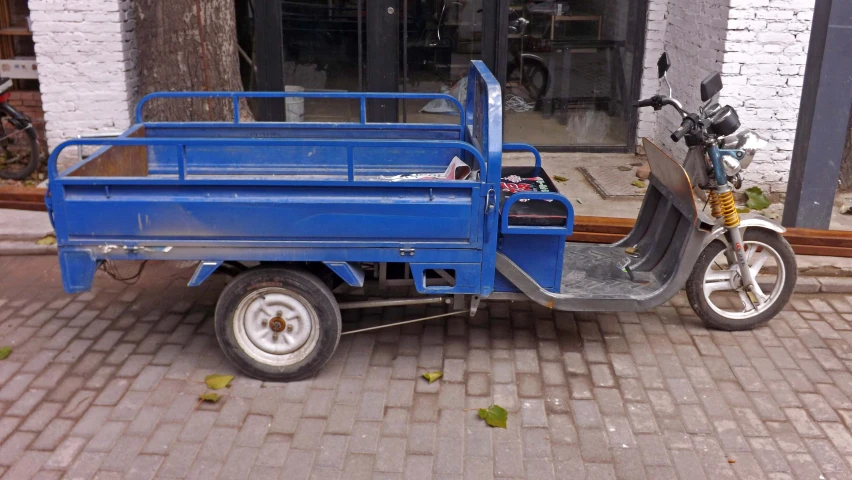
22 225
25 247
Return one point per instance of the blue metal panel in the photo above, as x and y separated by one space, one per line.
204 270
484 111
78 270
467 277
106 248
568 229
538 255
349 272
330 213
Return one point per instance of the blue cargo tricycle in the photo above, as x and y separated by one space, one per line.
293 211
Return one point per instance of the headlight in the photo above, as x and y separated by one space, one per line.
732 166
749 142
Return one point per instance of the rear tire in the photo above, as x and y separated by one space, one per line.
29 139
535 79
277 324
705 278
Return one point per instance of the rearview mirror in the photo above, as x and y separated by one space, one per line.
663 65
711 86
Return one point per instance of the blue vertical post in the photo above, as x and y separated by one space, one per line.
823 118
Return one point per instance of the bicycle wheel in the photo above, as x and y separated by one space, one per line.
535 78
19 155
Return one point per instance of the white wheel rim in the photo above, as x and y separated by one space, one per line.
276 326
721 277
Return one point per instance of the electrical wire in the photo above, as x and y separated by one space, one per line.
518 104
110 268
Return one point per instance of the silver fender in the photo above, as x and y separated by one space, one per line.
747 220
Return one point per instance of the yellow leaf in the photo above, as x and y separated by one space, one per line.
217 381
638 184
5 352
432 376
560 178
210 397
48 240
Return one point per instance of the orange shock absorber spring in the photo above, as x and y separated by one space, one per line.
715 208
728 209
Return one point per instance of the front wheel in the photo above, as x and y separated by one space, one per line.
277 324
715 289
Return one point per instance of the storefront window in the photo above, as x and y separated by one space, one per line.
569 64
442 37
569 70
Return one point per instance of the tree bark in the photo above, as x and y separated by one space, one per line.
188 45
846 163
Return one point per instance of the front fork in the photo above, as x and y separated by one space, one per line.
723 206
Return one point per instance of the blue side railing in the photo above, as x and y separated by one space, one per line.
181 144
235 98
523 147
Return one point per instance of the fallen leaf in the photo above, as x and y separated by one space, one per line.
731 460
48 240
756 199
5 352
495 415
638 184
218 382
560 178
432 376
743 210
211 397
625 168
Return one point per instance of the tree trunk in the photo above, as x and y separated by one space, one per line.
846 163
180 50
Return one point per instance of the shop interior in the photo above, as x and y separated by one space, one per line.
569 64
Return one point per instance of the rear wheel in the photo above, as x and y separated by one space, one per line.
535 77
277 324
19 155
715 287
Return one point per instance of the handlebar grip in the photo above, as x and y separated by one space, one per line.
685 127
644 103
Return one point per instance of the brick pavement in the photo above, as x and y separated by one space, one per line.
105 385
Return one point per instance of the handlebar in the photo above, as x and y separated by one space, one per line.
685 126
644 103
658 102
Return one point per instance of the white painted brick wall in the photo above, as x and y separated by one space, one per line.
765 56
86 60
692 32
761 48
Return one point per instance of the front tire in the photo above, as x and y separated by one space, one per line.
277 324
715 288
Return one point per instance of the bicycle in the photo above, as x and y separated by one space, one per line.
19 153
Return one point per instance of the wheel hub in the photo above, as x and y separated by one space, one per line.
276 321
277 324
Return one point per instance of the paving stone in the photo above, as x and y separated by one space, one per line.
390 455
508 459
